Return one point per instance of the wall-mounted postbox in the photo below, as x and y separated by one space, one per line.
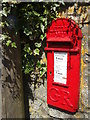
63 64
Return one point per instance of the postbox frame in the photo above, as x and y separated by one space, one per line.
67 102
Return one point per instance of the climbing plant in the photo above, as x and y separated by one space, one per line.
30 21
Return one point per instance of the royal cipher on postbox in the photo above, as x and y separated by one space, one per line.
63 64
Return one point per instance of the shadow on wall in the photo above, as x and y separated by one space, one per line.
12 78
67 112
28 94
11 68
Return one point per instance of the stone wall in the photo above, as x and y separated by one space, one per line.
38 108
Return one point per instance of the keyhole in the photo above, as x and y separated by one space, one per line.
50 72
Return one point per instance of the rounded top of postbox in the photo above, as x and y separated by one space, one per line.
63 30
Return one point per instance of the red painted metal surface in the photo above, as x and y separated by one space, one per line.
64 37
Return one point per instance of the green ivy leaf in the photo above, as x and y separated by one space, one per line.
52 17
43 36
8 42
28 49
28 67
13 44
38 45
38 64
63 2
36 51
25 55
45 12
44 69
30 13
35 13
42 27
4 12
54 8
27 70
45 23
27 31
41 18
56 5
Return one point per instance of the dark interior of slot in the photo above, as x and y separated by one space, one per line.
60 45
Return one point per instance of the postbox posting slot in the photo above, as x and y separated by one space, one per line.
64 46
60 45
63 43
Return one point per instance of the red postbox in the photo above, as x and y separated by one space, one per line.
63 64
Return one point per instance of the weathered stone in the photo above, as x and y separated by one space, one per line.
43 113
41 92
79 115
58 114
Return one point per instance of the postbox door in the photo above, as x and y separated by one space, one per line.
63 93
